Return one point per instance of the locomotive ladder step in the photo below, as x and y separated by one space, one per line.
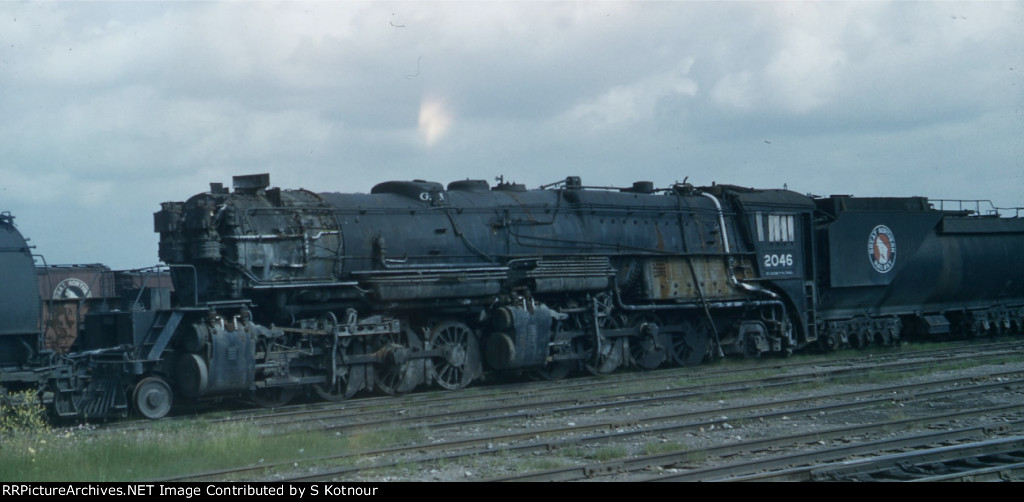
160 334
810 296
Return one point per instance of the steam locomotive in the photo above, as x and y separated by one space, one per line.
278 292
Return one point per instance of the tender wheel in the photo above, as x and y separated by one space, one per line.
860 339
345 380
399 373
459 362
153 397
691 345
829 341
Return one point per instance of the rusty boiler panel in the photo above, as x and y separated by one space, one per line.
673 278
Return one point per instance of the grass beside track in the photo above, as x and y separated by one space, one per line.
164 450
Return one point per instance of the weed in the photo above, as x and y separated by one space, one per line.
22 413
608 453
543 463
697 457
574 451
659 447
374 438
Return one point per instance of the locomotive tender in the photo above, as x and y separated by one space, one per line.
279 291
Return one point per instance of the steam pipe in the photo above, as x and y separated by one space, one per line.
725 244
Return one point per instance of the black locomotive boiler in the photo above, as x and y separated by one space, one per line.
283 291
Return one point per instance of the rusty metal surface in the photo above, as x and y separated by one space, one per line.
69 292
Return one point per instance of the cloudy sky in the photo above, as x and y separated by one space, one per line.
109 108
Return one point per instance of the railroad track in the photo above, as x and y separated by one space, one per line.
675 383
682 466
641 406
930 458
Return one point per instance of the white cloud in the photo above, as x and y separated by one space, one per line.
736 90
802 60
805 74
627 104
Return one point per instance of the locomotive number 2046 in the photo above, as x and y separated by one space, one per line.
778 260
